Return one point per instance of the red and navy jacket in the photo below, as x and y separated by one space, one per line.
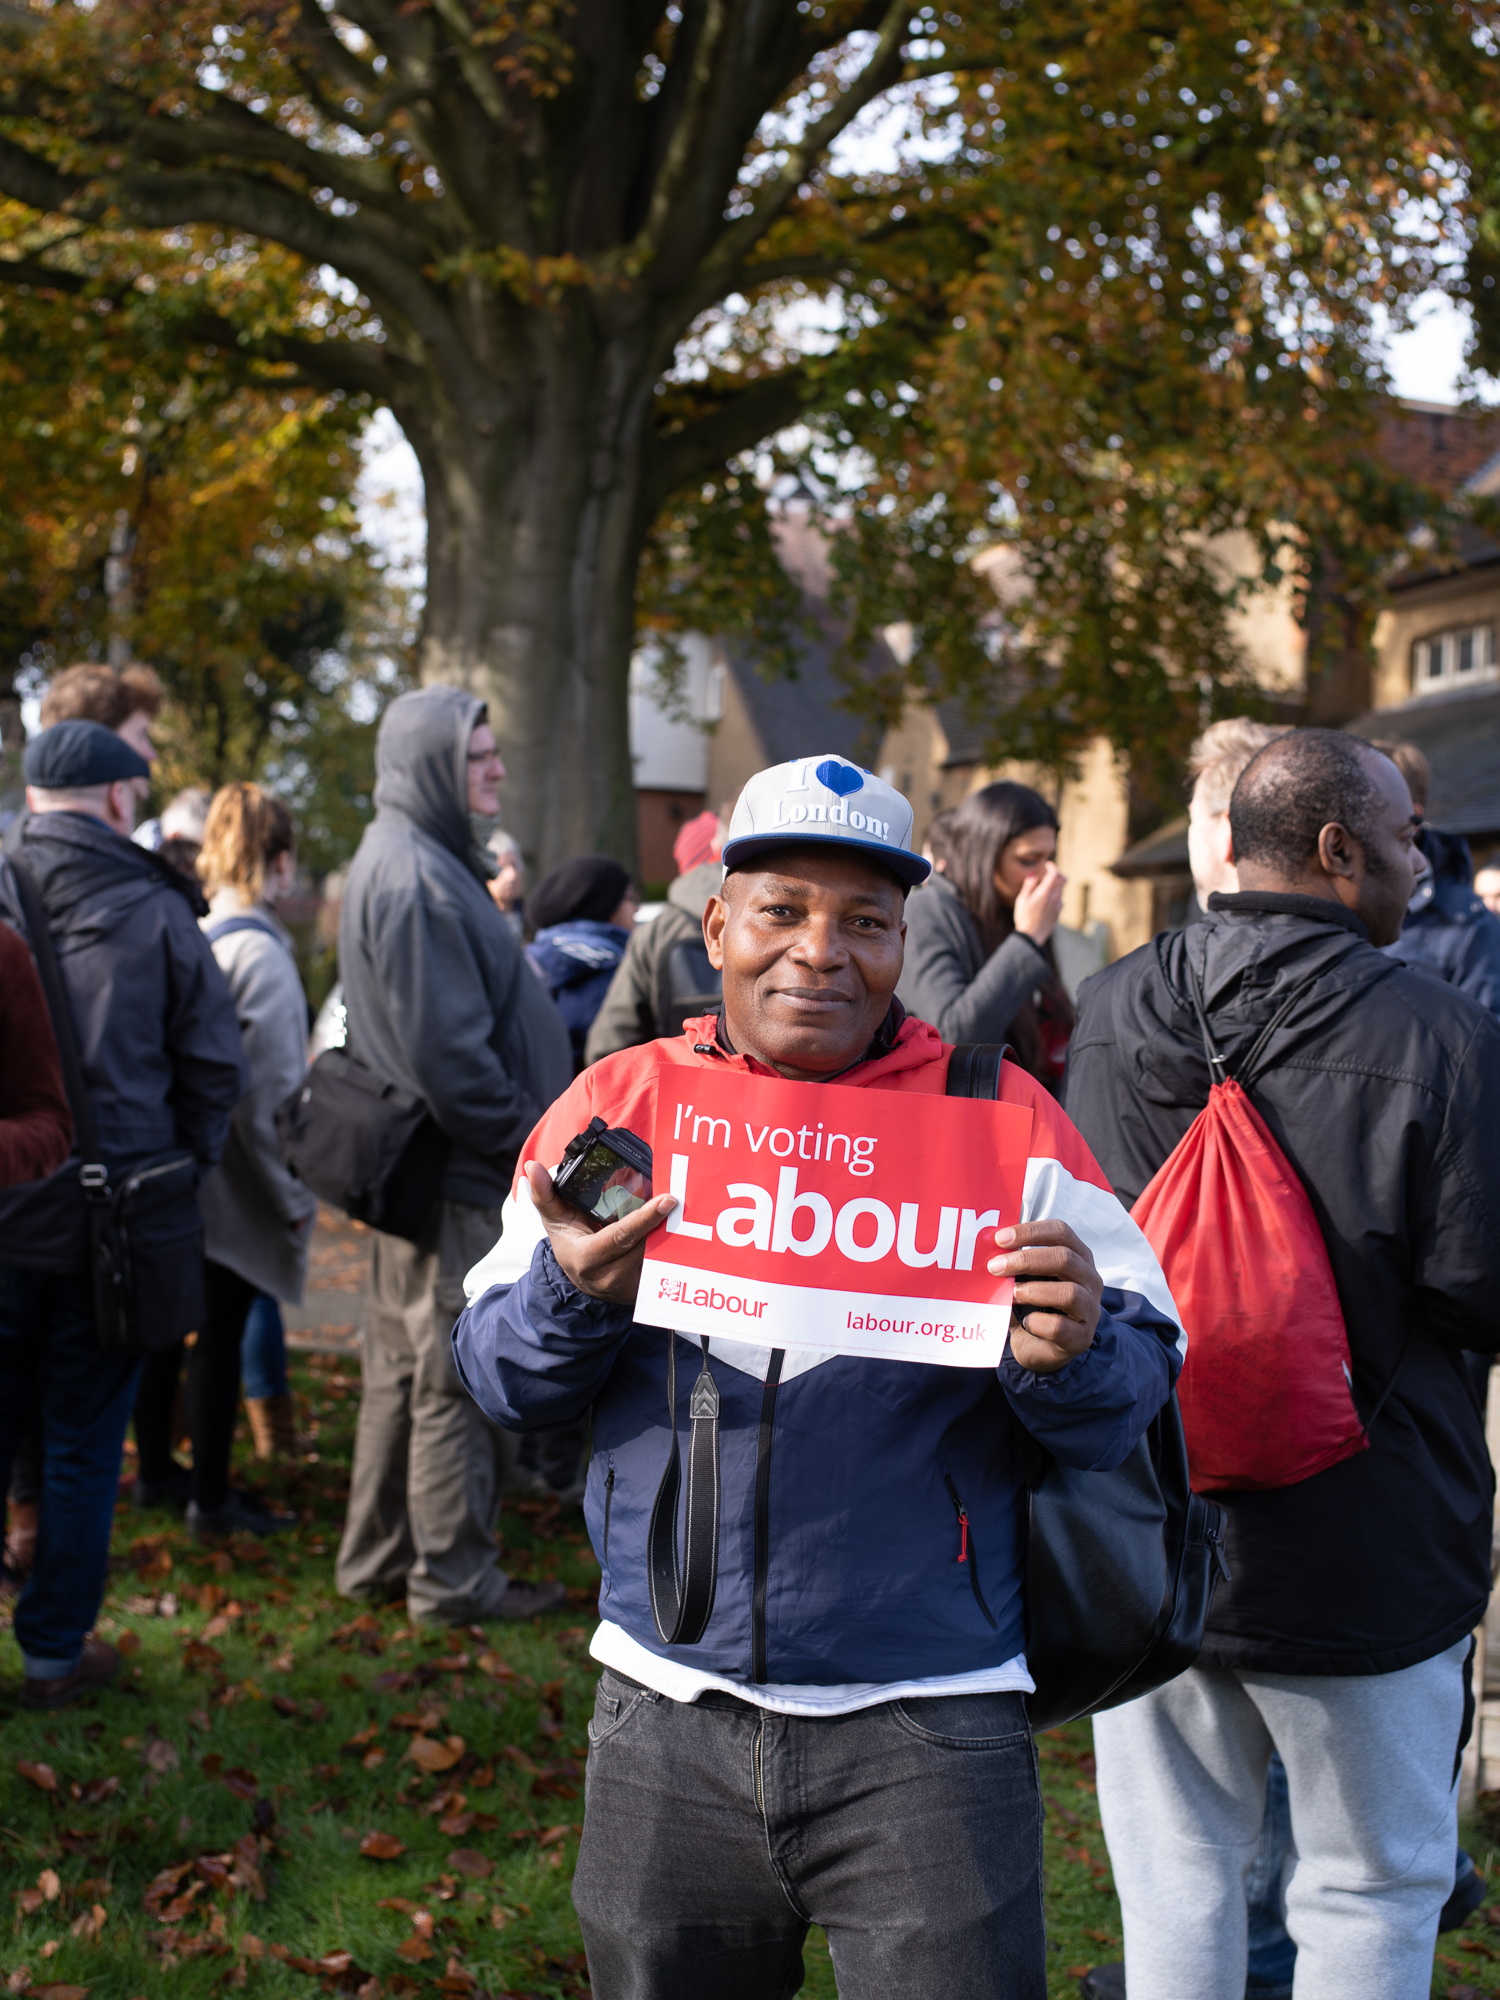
873 1513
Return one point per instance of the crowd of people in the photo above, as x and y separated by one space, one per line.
846 1742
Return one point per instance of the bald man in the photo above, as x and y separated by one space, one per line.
1342 1639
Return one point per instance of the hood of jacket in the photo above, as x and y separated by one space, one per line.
691 892
89 876
1448 856
581 949
1251 952
421 764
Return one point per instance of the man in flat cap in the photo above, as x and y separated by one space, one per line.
159 1050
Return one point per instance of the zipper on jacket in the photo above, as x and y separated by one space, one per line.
609 1501
968 1552
763 1517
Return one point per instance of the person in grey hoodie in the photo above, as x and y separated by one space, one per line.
440 1002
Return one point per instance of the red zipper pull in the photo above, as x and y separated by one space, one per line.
963 1544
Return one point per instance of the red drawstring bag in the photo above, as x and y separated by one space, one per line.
1265 1391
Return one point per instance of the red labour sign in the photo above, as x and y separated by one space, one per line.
849 1221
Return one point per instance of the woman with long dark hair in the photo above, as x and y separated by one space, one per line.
979 961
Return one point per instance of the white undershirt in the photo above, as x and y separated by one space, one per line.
613 1647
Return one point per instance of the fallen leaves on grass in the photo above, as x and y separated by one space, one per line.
414 1949
244 1784
91 1922
96 1790
53 1991
469 1861
161 1756
429 1755
381 1846
41 1775
128 1643
497 1668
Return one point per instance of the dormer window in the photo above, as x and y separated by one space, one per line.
1463 654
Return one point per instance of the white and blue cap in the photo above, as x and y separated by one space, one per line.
824 800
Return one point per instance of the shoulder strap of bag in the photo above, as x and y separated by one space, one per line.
974 1069
58 1007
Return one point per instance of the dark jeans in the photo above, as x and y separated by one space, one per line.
263 1351
213 1390
716 1832
51 1360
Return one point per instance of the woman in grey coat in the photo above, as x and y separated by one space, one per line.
979 963
257 1217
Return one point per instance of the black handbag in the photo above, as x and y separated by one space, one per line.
145 1230
1121 1566
364 1145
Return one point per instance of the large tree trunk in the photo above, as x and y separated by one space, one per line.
535 522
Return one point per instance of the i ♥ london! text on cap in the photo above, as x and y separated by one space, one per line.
824 799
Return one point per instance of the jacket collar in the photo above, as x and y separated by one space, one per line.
1274 903
900 1043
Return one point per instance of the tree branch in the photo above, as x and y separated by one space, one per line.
260 208
738 420
682 151
718 268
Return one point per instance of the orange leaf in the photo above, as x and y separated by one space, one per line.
429 1755
381 1847
128 1643
44 1777
414 1949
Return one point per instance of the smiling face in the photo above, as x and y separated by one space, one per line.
809 942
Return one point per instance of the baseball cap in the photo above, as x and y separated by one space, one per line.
815 801
72 755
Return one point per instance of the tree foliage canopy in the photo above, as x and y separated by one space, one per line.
1099 284
160 499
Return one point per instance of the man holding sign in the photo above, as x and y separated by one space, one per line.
812 1709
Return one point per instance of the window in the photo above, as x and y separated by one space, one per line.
1454 658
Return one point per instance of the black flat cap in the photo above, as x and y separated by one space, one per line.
70 755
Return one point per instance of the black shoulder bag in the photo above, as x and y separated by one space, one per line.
145 1230
1121 1566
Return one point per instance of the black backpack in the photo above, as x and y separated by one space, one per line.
691 986
1121 1566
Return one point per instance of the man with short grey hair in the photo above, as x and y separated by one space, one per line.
1214 764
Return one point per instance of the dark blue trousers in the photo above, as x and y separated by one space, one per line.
51 1360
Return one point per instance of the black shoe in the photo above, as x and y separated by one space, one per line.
1103 1982
1469 1891
174 1491
241 1514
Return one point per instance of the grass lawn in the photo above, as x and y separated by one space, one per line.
287 1794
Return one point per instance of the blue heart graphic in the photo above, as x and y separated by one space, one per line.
840 778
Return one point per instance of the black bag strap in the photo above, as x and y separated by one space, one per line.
974 1069
682 1593
93 1174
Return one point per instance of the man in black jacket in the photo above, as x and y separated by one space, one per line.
1342 1639
160 1050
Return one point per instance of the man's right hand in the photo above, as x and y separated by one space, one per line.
602 1259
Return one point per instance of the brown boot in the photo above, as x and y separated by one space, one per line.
97 1666
272 1426
20 1536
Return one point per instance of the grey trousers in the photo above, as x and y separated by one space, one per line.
1372 1777
429 1469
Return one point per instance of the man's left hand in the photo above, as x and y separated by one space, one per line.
1058 1294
